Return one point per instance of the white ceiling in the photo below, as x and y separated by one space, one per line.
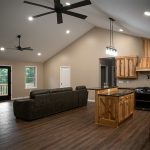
46 36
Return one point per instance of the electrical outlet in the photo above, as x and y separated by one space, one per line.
120 82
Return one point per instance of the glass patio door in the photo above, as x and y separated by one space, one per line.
5 83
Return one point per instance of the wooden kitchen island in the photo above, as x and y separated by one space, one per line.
113 106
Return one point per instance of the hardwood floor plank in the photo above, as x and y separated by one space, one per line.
72 130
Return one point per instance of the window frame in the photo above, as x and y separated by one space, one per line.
35 77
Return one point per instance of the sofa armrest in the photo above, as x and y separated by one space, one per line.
22 108
82 96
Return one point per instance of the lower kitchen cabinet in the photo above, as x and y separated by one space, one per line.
126 107
113 108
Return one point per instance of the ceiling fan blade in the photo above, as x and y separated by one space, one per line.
78 4
75 14
43 14
27 48
35 4
59 18
11 48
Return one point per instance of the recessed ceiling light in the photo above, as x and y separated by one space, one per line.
39 54
2 49
67 31
121 30
68 4
147 13
30 18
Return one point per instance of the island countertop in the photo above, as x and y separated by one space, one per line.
120 92
110 87
101 88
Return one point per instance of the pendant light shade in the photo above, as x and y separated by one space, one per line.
110 50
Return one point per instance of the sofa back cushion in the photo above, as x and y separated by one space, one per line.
45 103
38 92
81 87
57 90
63 100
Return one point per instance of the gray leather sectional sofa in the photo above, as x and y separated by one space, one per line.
46 102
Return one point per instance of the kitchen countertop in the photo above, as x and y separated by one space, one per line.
120 92
131 88
102 88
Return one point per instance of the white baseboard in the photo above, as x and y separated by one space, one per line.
91 100
20 98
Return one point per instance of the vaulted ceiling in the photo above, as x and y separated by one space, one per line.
48 37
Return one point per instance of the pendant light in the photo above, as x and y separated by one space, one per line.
110 50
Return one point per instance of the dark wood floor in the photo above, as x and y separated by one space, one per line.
72 130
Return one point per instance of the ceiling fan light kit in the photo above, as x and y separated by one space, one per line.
59 9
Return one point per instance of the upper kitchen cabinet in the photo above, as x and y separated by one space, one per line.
144 64
126 67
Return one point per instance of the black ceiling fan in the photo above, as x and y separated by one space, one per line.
59 9
19 46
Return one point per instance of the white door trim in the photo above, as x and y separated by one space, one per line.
11 76
61 75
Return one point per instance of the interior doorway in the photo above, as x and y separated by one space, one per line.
5 83
107 71
65 72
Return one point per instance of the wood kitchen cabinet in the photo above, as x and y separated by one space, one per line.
126 107
126 67
114 107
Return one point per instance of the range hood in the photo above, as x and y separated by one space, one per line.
144 62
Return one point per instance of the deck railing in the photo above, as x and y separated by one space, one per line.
3 89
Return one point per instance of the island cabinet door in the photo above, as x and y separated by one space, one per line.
121 110
131 103
126 107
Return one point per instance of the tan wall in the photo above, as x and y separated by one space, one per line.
18 77
83 57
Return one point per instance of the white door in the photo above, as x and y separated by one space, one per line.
64 76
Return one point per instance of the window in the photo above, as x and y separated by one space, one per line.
3 76
31 77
